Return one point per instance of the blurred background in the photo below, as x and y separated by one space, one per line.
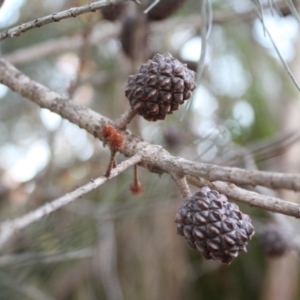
111 244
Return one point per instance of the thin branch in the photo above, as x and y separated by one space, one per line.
293 10
125 119
112 163
285 65
205 6
236 175
136 187
272 204
8 228
155 158
269 203
56 17
219 17
183 186
100 33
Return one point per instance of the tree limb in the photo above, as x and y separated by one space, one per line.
155 158
269 203
8 228
56 17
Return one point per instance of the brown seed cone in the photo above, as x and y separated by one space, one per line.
163 9
130 25
159 87
113 12
214 226
274 241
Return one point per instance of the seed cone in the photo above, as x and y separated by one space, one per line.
214 226
134 25
159 87
163 9
274 241
113 12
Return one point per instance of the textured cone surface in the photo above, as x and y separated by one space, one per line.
114 12
214 226
159 87
274 241
163 9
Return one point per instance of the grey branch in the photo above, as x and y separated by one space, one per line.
154 157
56 17
254 199
269 203
8 228
211 172
183 186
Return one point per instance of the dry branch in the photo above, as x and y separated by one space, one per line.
183 186
56 17
8 228
155 158
266 202
254 199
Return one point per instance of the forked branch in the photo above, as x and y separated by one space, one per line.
155 158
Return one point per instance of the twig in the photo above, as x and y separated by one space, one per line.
269 203
254 199
285 65
56 17
219 17
112 163
125 119
115 141
236 175
8 228
183 186
26 259
136 187
101 32
154 3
